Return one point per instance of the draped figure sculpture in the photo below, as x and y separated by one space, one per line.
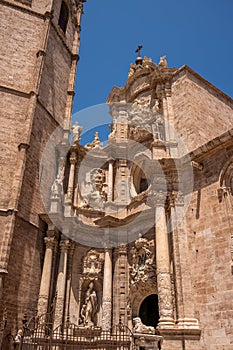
89 307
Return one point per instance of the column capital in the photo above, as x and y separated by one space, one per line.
64 245
157 198
122 249
73 158
176 198
72 248
50 242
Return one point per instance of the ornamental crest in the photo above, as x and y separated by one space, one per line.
92 265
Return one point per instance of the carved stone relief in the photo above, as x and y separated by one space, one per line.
92 265
142 267
139 327
94 189
164 294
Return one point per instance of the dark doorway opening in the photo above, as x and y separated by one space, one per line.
149 311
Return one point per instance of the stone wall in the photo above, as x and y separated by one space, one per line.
22 282
201 112
209 231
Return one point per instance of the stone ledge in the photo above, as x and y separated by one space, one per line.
179 332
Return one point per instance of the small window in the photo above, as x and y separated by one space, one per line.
63 17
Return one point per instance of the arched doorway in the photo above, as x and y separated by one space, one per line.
149 311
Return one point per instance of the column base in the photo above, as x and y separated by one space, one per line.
188 323
166 323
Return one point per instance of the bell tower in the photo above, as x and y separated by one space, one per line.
41 43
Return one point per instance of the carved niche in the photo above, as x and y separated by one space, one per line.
91 284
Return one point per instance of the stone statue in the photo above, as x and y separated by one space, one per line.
139 327
89 307
163 62
18 338
96 143
158 129
76 132
56 189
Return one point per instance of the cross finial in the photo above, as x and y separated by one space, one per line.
139 50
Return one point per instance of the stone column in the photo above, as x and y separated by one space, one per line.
163 263
110 180
61 283
45 283
69 280
107 290
73 160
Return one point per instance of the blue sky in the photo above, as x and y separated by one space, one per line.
196 33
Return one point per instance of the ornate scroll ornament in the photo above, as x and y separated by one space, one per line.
92 265
164 294
142 267
139 327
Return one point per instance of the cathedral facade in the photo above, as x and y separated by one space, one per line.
127 245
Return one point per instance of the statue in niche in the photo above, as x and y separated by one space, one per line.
158 129
56 189
89 308
142 262
76 132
